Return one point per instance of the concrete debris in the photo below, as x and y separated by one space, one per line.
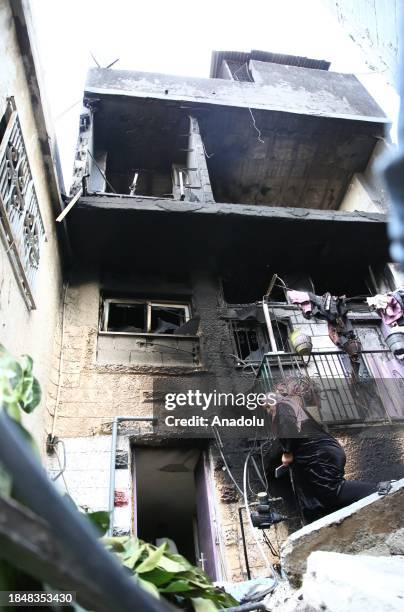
365 526
285 598
395 542
337 582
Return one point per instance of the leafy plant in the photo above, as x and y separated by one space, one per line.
163 573
156 570
19 389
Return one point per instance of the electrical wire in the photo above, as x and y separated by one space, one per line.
252 528
204 150
270 545
55 413
62 469
260 139
101 172
219 445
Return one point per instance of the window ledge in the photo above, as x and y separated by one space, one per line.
148 335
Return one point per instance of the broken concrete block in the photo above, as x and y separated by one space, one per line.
395 543
336 582
362 526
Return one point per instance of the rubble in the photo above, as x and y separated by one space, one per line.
336 582
372 525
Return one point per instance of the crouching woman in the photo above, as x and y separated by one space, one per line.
315 458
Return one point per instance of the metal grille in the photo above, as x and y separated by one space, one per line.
21 226
341 394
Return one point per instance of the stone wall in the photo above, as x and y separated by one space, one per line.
22 330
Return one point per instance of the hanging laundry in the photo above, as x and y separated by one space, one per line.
377 302
342 334
301 299
399 295
333 309
389 307
328 307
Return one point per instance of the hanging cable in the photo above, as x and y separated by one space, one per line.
55 413
252 528
100 171
260 139
219 445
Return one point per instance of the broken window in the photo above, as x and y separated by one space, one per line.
252 340
144 316
142 151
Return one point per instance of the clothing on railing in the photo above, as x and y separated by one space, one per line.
301 299
334 310
327 306
389 307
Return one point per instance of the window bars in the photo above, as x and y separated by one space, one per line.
21 226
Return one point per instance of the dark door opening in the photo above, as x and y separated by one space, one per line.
171 502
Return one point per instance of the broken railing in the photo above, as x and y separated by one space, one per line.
342 392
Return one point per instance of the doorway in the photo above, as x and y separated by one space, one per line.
172 502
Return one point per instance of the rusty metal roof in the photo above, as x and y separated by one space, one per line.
264 56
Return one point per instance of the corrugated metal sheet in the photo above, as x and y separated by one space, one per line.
264 56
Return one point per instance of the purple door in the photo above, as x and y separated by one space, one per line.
204 512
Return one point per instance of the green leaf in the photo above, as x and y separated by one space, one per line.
100 520
152 560
148 586
158 577
131 560
13 410
117 543
180 559
203 605
32 401
171 566
27 364
178 586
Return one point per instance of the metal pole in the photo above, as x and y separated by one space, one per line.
77 536
111 496
247 565
269 325
114 437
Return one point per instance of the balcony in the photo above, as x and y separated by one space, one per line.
338 393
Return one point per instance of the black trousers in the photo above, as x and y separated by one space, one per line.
353 490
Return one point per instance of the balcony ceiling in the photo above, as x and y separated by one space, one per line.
304 161
249 243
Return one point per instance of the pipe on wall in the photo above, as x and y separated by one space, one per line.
114 437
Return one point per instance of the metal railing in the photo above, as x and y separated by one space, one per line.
337 390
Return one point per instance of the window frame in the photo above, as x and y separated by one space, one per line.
103 328
22 229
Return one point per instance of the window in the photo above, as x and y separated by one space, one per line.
144 316
252 340
21 226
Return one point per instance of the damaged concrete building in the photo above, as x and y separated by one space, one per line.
191 195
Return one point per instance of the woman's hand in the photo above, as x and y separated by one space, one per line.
287 458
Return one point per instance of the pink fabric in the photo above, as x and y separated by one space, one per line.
392 312
301 298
